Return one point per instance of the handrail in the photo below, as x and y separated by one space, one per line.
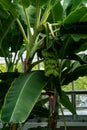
77 91
81 116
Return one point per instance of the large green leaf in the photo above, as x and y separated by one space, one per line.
76 16
71 75
5 84
56 13
40 2
40 109
3 14
26 3
4 76
76 3
69 47
31 10
15 36
65 101
77 58
6 21
10 35
8 5
75 28
22 96
48 8
83 47
40 112
5 29
70 5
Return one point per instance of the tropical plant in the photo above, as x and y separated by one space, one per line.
59 34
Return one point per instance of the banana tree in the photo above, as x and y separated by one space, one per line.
57 38
34 15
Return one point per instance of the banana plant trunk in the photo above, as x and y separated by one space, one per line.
14 126
53 104
27 64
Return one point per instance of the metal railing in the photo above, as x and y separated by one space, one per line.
79 101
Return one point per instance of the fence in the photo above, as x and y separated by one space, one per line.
79 101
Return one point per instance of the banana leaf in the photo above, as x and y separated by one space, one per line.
22 96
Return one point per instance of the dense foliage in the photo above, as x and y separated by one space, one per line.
59 35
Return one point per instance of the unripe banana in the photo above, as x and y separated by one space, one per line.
50 63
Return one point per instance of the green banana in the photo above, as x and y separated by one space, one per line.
50 63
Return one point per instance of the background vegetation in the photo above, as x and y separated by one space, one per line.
79 84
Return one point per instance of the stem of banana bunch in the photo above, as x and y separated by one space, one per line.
53 107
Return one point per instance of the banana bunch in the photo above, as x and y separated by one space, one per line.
50 63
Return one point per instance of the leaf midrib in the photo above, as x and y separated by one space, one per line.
20 96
